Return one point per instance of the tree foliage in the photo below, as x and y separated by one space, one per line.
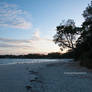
67 34
86 35
84 43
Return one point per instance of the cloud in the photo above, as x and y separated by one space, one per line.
12 41
36 34
36 44
12 16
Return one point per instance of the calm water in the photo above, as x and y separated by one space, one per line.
18 61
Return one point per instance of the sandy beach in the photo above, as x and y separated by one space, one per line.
45 77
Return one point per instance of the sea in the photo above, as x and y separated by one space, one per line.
24 61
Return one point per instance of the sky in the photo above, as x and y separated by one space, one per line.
28 26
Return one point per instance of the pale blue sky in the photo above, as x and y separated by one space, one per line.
24 19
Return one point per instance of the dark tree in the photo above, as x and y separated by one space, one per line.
86 35
67 34
84 43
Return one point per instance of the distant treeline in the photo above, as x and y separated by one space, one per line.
40 56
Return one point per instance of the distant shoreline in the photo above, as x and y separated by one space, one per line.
40 56
36 58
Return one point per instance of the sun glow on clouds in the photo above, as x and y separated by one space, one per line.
12 16
35 45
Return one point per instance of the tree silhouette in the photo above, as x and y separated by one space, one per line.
67 34
84 43
86 34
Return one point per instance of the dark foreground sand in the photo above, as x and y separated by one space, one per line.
45 77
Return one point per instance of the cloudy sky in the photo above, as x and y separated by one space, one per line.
28 26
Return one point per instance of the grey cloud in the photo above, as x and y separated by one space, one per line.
13 40
8 43
12 16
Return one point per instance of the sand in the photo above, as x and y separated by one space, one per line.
45 77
